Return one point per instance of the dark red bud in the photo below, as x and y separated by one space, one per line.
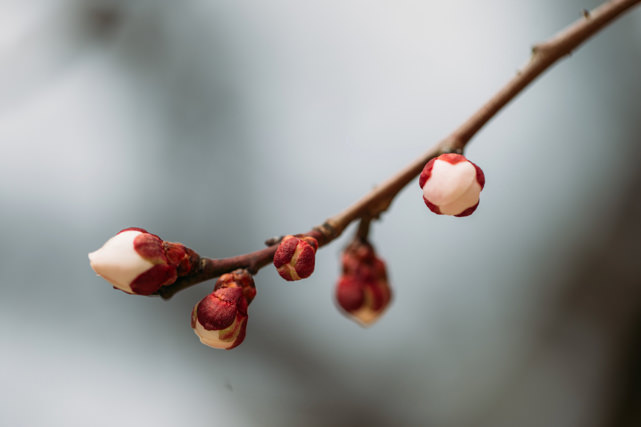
363 290
220 319
295 257
219 309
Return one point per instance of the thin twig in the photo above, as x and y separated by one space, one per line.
379 199
363 228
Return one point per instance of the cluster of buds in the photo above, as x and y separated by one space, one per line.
363 290
138 262
295 257
451 185
220 319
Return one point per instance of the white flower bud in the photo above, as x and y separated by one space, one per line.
138 262
451 185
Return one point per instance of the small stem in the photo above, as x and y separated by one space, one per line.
363 228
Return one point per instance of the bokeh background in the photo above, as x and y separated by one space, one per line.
222 123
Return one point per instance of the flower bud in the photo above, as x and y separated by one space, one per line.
451 185
294 258
220 319
363 290
138 262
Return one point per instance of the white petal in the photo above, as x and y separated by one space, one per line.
365 316
448 182
118 262
212 338
466 200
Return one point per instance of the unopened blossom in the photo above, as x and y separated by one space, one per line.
138 262
220 319
295 257
451 185
363 290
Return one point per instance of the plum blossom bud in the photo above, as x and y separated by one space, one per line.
363 290
451 185
138 262
220 319
294 258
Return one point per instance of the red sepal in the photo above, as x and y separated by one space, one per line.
350 295
219 309
153 279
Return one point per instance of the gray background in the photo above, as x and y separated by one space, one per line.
222 123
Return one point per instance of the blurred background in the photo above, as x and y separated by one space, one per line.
220 124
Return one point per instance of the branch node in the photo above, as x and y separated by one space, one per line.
376 210
273 240
586 14
539 49
327 230
253 268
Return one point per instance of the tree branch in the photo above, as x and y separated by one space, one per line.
379 199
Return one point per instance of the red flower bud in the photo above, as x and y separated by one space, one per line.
363 290
294 258
138 262
220 319
451 185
